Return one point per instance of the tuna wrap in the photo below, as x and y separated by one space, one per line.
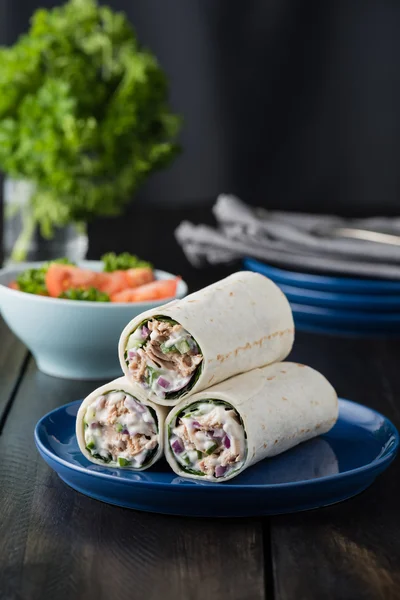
117 427
235 325
217 433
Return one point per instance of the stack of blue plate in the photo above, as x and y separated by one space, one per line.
339 305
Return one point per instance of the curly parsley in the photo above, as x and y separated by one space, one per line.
124 261
90 295
84 114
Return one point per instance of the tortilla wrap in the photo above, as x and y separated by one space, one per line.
240 323
279 406
122 384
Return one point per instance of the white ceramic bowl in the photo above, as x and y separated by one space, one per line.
71 339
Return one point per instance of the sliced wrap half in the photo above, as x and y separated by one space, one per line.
117 427
216 434
232 326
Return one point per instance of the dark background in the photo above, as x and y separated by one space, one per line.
289 104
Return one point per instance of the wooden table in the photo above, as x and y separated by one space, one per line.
56 544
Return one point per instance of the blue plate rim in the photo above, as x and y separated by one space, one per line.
316 278
378 300
387 457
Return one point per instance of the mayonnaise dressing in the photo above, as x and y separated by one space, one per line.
120 430
209 438
156 377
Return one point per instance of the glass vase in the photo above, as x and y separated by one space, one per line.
22 240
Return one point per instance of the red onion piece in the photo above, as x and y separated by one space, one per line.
179 386
140 408
125 432
220 471
145 331
132 354
94 425
163 382
134 405
227 442
196 424
130 403
177 446
218 433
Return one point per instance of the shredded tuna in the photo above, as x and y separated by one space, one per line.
119 441
138 366
209 438
116 411
183 364
135 444
208 426
111 412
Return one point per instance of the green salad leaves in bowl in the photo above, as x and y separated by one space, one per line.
71 316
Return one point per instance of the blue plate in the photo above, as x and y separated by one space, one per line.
359 302
323 283
342 319
323 471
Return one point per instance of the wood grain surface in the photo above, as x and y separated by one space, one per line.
13 355
349 551
58 544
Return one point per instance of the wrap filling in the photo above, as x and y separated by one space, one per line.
120 431
163 357
208 438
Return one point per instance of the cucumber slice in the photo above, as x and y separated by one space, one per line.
166 350
135 343
211 449
182 346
